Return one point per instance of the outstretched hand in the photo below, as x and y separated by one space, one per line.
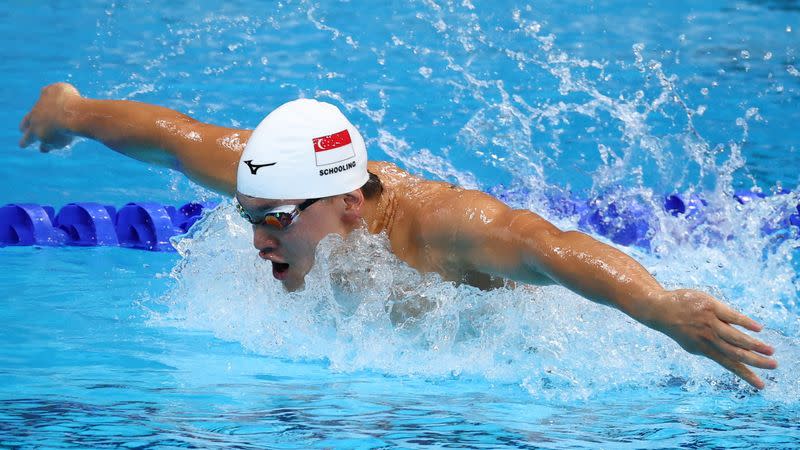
704 326
46 122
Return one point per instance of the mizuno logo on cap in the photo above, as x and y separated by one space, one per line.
254 167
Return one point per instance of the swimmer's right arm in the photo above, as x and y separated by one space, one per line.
481 233
206 153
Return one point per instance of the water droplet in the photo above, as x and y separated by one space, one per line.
704 91
767 56
788 29
745 54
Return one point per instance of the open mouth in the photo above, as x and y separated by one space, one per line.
279 270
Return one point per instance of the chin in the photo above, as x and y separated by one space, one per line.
293 285
296 279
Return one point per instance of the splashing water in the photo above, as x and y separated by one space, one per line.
364 309
630 136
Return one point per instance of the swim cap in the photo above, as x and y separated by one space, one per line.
303 149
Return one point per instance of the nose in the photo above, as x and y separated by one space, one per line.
264 240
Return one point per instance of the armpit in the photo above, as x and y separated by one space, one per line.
486 282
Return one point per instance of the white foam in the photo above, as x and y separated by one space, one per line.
365 310
356 312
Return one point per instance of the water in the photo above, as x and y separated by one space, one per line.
109 347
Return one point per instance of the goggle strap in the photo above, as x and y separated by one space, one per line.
307 203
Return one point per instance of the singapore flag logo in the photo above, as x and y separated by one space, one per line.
333 148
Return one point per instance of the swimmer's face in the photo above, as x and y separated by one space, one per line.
291 249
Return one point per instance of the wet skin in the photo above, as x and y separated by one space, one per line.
464 235
291 250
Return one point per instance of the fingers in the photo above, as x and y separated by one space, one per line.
735 351
737 338
48 144
728 346
24 127
746 357
26 140
25 123
60 140
726 314
738 369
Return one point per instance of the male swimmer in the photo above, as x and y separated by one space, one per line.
303 174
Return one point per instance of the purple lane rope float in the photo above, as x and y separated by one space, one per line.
633 223
150 226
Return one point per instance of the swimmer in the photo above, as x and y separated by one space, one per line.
303 174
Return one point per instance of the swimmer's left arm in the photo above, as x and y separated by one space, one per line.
520 245
208 154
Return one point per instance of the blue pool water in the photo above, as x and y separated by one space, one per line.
108 347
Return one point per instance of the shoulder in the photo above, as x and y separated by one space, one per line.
466 218
409 186
390 173
437 208
448 215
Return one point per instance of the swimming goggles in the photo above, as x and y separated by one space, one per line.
279 217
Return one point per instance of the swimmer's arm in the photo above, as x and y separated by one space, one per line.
207 154
520 245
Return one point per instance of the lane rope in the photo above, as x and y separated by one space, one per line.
150 226
140 225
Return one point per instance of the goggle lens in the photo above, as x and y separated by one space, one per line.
278 220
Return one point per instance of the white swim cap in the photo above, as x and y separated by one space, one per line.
303 149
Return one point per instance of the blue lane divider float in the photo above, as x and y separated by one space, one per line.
143 225
87 224
691 207
630 222
149 226
29 224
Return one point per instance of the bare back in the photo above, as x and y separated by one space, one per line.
428 224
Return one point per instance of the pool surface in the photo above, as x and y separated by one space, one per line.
109 347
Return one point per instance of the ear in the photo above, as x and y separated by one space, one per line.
354 200
353 203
